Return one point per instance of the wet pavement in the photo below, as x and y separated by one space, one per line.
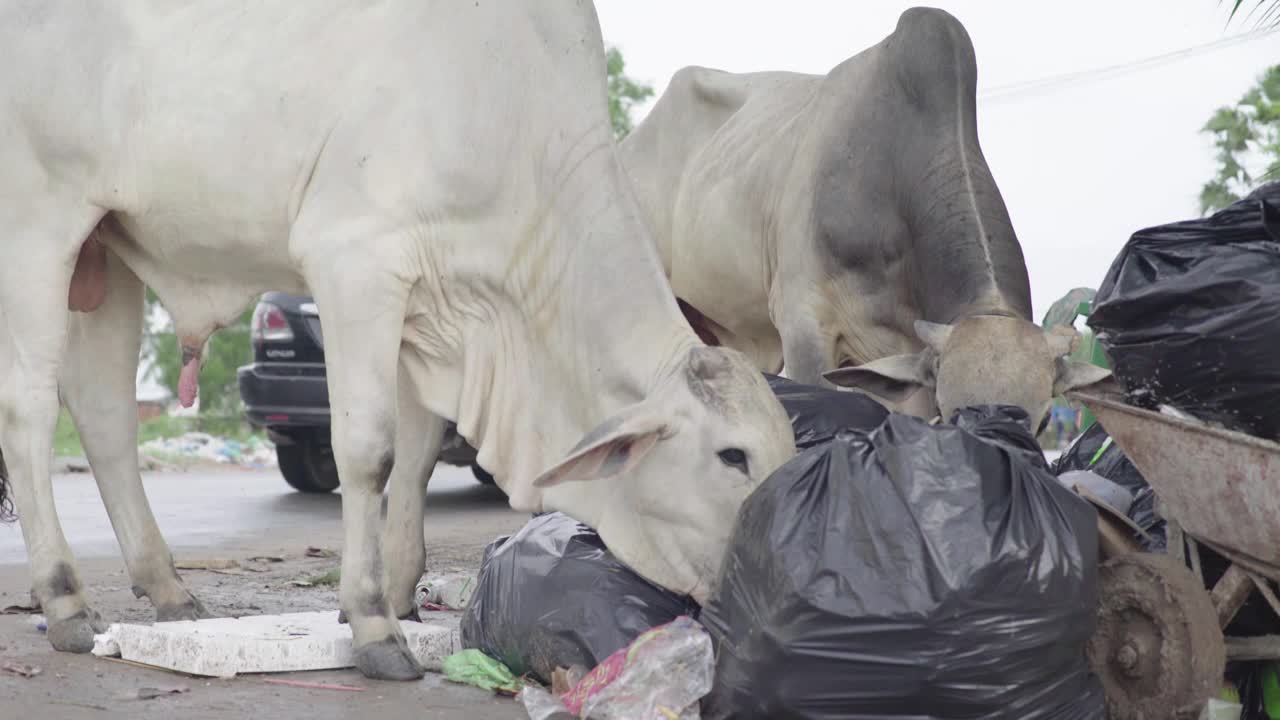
232 514
232 507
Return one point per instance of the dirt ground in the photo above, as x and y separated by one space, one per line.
466 517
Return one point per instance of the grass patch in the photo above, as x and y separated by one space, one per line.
66 441
329 579
164 427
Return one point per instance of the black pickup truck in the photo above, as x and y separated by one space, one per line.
285 392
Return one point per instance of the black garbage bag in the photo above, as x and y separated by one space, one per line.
818 413
553 595
1189 315
1095 451
913 571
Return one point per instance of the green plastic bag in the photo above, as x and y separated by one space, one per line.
472 667
1271 691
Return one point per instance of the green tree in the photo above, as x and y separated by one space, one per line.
1247 137
624 93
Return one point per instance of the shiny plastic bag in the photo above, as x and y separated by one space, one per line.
554 596
818 413
1094 451
1189 315
913 571
660 676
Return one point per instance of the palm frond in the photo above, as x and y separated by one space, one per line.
1269 16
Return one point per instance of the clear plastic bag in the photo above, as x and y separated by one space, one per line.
660 676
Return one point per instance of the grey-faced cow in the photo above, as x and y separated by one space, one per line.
441 176
848 225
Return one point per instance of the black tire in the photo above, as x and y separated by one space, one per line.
483 475
308 468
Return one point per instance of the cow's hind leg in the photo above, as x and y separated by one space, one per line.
36 261
362 304
97 382
418 437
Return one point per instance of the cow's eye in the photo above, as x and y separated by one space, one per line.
734 458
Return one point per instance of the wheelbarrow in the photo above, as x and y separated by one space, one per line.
1159 647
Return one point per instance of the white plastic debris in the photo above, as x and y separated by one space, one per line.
540 704
225 647
1217 709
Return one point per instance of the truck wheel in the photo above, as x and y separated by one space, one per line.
308 467
482 475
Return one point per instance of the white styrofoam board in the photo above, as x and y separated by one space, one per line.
293 642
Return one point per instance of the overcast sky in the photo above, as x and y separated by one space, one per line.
1081 166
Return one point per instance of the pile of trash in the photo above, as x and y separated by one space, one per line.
554 596
1189 315
892 569
255 453
910 571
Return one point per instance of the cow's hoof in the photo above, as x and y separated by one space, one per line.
75 634
387 659
192 609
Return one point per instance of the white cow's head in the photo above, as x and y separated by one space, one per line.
662 481
985 359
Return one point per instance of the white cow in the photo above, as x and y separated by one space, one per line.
441 176
831 221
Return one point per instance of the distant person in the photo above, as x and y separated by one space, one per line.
1064 424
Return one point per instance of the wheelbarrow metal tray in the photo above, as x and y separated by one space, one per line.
1220 486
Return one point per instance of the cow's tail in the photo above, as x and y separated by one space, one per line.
6 502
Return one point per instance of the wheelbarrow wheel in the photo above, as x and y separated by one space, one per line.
1157 648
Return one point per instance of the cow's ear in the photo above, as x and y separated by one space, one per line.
1072 374
615 446
894 378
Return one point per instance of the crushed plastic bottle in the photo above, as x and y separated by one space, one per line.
660 676
450 592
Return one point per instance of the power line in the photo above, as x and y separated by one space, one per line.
1053 82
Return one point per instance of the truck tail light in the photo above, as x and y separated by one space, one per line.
270 325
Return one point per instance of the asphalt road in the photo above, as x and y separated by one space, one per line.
228 514
203 509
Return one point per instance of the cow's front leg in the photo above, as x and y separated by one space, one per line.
36 260
418 437
362 306
98 379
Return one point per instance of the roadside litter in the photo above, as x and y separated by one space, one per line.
255 452
890 574
660 676
553 596
472 667
437 593
13 667
150 693
1190 316
20 610
226 647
